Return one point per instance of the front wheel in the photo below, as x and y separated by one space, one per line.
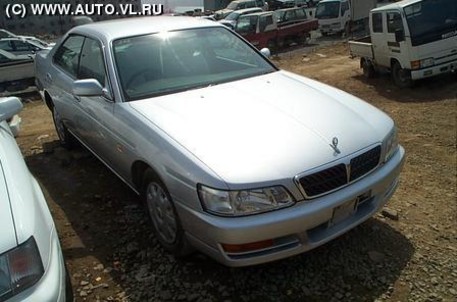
401 77
162 213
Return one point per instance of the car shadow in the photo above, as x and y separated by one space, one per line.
422 90
100 220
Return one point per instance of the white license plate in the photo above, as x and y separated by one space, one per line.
343 211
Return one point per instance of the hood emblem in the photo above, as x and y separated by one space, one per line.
334 145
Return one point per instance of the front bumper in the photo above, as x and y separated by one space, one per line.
51 286
434 70
296 229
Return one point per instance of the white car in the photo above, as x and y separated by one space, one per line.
7 34
232 156
19 46
32 267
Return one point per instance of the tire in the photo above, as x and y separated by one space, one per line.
68 286
400 76
67 140
165 222
272 46
368 69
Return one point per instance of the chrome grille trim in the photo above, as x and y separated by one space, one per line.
356 166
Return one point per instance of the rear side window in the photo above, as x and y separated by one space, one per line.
301 14
376 20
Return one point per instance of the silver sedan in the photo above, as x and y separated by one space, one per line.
232 156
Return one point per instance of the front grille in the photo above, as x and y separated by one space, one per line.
337 176
364 163
325 180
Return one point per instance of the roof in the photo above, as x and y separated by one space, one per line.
258 14
395 5
244 10
119 28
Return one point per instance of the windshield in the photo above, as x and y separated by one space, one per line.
169 62
232 16
328 10
431 20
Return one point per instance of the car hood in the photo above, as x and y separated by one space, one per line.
267 127
7 228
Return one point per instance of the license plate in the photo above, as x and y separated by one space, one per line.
343 211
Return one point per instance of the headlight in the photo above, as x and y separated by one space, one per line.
20 268
422 63
244 202
390 144
427 62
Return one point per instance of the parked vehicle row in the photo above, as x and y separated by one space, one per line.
231 156
32 267
343 16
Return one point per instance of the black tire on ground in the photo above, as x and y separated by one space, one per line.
400 76
272 46
165 221
368 69
67 140
68 286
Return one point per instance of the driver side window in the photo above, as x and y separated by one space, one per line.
344 7
91 64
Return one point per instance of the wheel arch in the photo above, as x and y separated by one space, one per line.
393 61
138 171
48 100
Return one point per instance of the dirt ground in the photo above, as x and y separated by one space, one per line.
112 256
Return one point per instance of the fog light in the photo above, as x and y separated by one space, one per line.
247 247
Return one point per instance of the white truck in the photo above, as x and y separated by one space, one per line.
413 39
343 16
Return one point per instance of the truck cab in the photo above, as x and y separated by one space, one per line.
413 39
333 16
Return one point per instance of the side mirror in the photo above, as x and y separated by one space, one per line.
9 107
87 87
265 52
399 35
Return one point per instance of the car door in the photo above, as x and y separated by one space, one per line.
95 113
378 39
394 23
104 126
59 80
